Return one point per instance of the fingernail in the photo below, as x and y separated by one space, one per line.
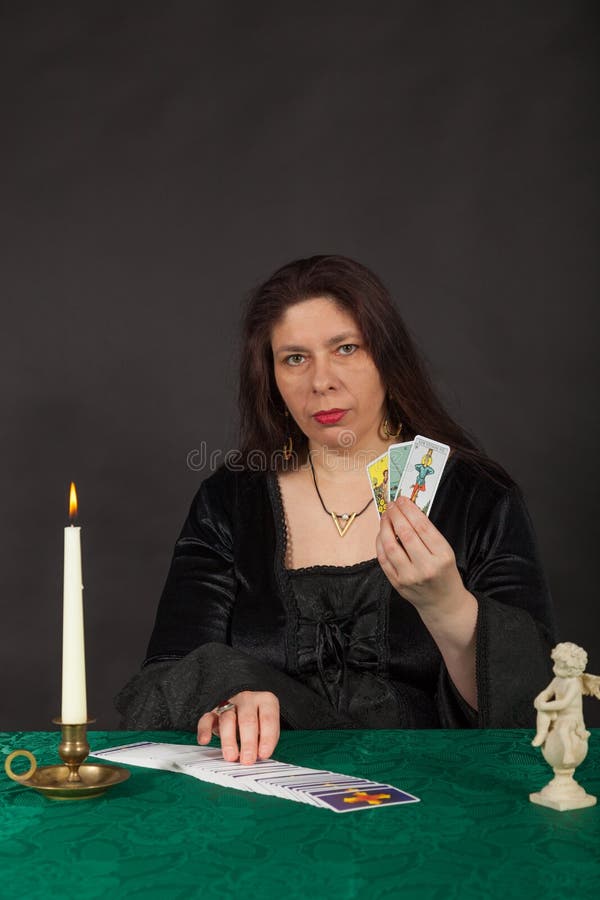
247 756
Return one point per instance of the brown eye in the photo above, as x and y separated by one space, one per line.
294 360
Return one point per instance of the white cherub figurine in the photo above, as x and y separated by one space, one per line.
561 731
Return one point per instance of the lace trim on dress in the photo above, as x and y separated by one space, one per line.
324 568
282 578
279 515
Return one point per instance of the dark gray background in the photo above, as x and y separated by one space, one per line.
158 160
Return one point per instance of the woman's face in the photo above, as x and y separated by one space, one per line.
321 365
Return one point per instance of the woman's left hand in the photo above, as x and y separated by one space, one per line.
418 560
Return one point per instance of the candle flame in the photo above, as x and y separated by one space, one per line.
72 502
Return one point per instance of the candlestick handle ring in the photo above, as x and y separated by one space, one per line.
24 775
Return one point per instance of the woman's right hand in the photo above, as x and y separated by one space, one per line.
254 720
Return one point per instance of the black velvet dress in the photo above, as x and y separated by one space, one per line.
342 649
338 645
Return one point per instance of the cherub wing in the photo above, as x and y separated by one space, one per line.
591 684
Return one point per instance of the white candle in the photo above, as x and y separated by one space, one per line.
74 704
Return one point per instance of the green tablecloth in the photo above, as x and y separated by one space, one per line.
163 835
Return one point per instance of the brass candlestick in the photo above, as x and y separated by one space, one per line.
72 780
73 748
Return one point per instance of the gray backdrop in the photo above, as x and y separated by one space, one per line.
161 159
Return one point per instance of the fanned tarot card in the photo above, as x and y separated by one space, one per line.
378 472
423 471
398 455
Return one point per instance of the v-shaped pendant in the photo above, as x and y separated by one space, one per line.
346 518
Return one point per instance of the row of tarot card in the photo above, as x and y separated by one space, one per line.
329 790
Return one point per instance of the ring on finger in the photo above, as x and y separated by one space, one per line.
224 707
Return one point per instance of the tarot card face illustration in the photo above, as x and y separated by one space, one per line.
423 472
398 456
378 472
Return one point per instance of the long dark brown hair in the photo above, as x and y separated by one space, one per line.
412 400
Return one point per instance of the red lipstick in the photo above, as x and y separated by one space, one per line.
329 416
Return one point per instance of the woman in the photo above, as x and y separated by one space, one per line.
275 612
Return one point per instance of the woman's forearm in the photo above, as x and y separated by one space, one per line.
453 629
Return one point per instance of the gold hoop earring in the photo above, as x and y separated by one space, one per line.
288 445
386 431
385 425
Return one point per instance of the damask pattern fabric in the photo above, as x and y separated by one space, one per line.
160 835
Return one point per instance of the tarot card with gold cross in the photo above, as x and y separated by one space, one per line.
364 798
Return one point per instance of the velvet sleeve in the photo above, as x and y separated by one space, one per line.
175 693
515 627
194 610
200 590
